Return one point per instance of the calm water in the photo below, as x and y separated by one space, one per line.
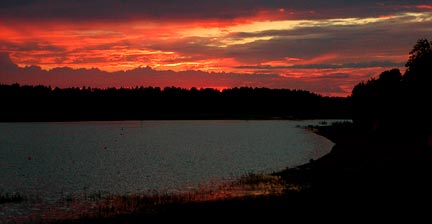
51 160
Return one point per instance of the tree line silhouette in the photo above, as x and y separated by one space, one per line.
43 103
390 103
396 104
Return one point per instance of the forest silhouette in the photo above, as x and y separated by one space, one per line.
398 105
42 103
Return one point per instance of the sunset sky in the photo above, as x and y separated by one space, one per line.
322 46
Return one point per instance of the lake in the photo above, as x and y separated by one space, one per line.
51 160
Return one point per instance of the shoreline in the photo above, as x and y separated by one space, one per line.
192 118
249 185
337 178
283 192
347 178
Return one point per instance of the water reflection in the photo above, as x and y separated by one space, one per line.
90 166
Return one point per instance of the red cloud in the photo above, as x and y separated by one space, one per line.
323 81
424 7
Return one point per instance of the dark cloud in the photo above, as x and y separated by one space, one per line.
5 63
383 38
190 9
368 45
334 76
388 38
328 66
190 46
8 46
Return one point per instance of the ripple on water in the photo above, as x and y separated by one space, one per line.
65 162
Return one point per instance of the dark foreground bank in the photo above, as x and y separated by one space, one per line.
364 176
